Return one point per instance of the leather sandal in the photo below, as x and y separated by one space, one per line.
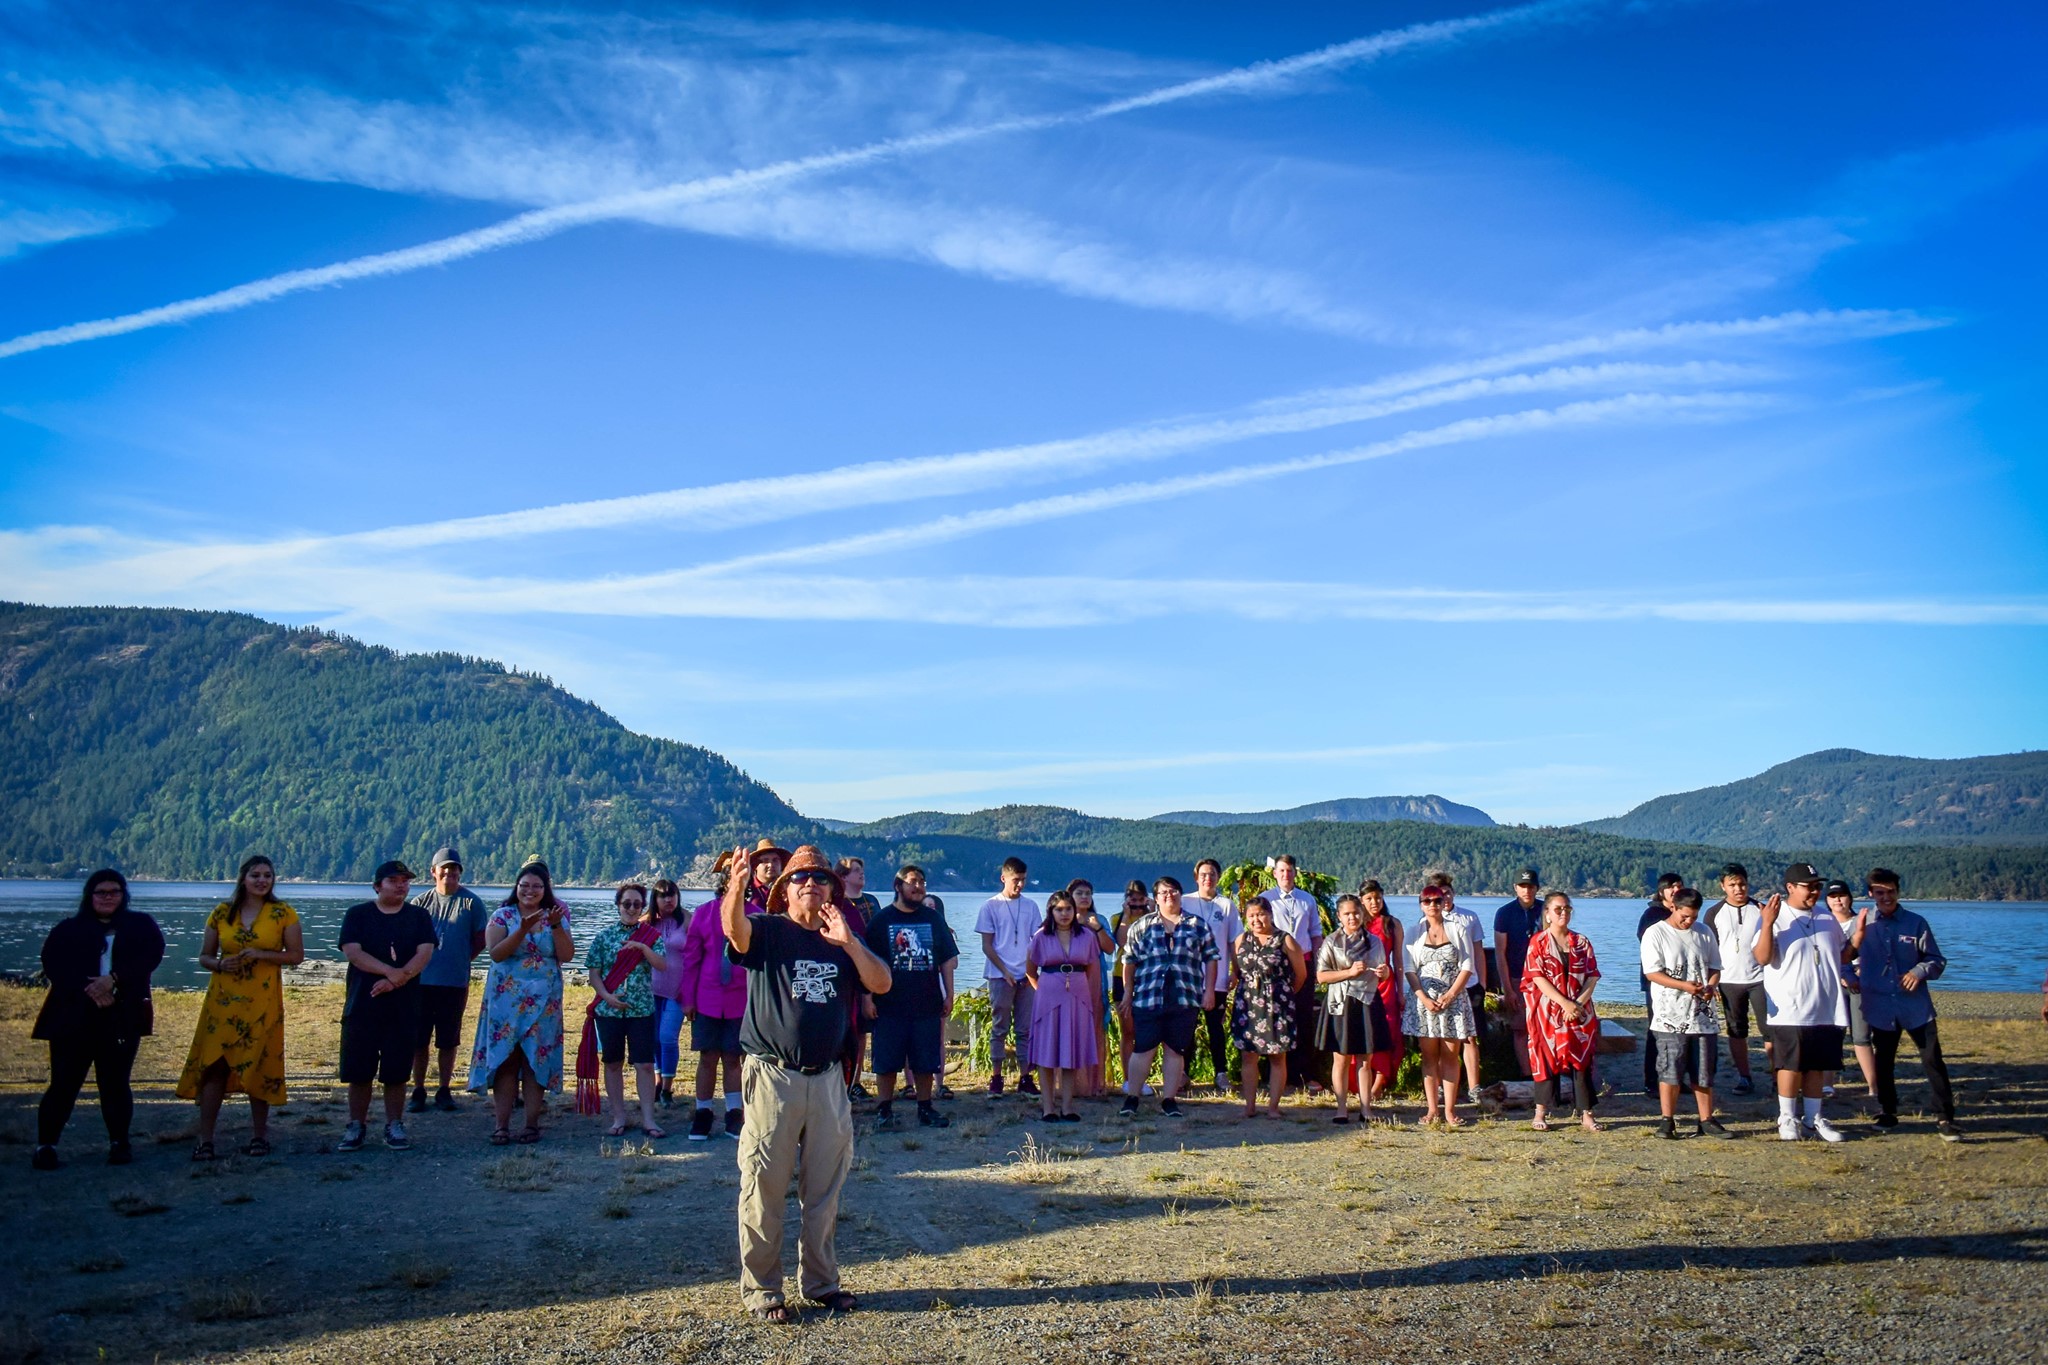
838 1301
777 1313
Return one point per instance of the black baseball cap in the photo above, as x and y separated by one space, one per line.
445 855
1528 877
391 868
1802 874
1838 887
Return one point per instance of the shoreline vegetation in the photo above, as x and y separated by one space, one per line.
1213 1239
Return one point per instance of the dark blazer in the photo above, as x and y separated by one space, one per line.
71 958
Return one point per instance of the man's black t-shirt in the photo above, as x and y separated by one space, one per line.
915 944
391 938
798 989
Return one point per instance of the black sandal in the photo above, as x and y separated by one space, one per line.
257 1147
501 1137
838 1301
528 1136
204 1152
777 1313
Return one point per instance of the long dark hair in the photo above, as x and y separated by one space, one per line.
105 874
1058 898
242 880
547 881
664 887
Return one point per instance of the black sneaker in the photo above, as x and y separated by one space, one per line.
1129 1108
418 1103
1171 1108
856 1092
445 1102
120 1153
700 1124
1667 1128
351 1137
932 1118
885 1113
45 1159
395 1138
1028 1085
734 1121
1948 1131
1886 1120
1711 1128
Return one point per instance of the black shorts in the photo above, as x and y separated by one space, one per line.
708 1034
1173 1027
378 1040
621 1040
1738 1002
441 1010
1811 1047
919 1044
1686 1058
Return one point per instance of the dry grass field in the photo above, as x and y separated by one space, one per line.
1208 1239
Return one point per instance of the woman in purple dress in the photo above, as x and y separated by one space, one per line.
1064 966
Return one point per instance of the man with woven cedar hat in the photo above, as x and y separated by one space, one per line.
802 963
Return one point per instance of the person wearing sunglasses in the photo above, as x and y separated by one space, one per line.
802 962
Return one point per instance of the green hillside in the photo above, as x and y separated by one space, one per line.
1060 844
1842 797
173 743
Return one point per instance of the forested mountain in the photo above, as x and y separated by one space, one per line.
1839 797
1060 844
1431 810
173 743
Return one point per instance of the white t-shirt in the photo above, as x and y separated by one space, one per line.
1222 918
1296 914
1689 955
1013 920
1803 984
1735 931
1476 940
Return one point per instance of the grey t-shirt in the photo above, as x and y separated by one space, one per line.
456 918
1688 955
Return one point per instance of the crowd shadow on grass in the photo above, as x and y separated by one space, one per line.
2023 1246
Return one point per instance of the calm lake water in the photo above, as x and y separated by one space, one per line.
1990 945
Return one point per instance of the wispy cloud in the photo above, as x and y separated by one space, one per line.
35 214
654 202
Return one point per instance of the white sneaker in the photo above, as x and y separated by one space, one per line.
1788 1129
1827 1132
1827 1092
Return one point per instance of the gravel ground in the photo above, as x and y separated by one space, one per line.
1211 1239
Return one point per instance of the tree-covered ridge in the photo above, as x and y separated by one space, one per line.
1840 797
1059 844
1431 809
174 743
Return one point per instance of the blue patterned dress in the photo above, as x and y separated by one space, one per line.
522 1009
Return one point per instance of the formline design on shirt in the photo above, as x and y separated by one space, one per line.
814 982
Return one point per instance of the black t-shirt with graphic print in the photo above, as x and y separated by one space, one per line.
798 993
915 944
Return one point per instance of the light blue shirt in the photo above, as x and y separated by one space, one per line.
1893 946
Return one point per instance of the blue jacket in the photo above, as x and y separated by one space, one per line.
1892 946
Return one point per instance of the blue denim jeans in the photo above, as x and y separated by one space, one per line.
668 1032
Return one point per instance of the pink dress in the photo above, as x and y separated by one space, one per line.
1064 1034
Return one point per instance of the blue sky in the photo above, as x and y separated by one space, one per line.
1124 407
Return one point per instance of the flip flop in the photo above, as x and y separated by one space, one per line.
655 1132
528 1136
501 1137
616 1130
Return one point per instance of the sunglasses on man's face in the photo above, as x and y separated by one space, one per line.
799 878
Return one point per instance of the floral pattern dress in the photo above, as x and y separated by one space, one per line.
522 1009
241 1022
1557 1046
1437 966
1262 1012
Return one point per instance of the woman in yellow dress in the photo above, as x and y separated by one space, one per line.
239 1044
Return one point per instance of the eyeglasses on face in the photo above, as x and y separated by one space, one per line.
800 878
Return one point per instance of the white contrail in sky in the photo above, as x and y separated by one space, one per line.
539 223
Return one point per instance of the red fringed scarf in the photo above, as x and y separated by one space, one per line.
588 1101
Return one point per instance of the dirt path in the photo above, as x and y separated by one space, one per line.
1000 1239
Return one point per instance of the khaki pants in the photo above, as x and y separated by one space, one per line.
799 1127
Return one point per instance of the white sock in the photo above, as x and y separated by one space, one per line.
732 1100
1812 1112
703 1106
1788 1107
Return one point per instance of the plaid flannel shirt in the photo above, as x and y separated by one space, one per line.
1167 964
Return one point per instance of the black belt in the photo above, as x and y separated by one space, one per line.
799 1070
1064 969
